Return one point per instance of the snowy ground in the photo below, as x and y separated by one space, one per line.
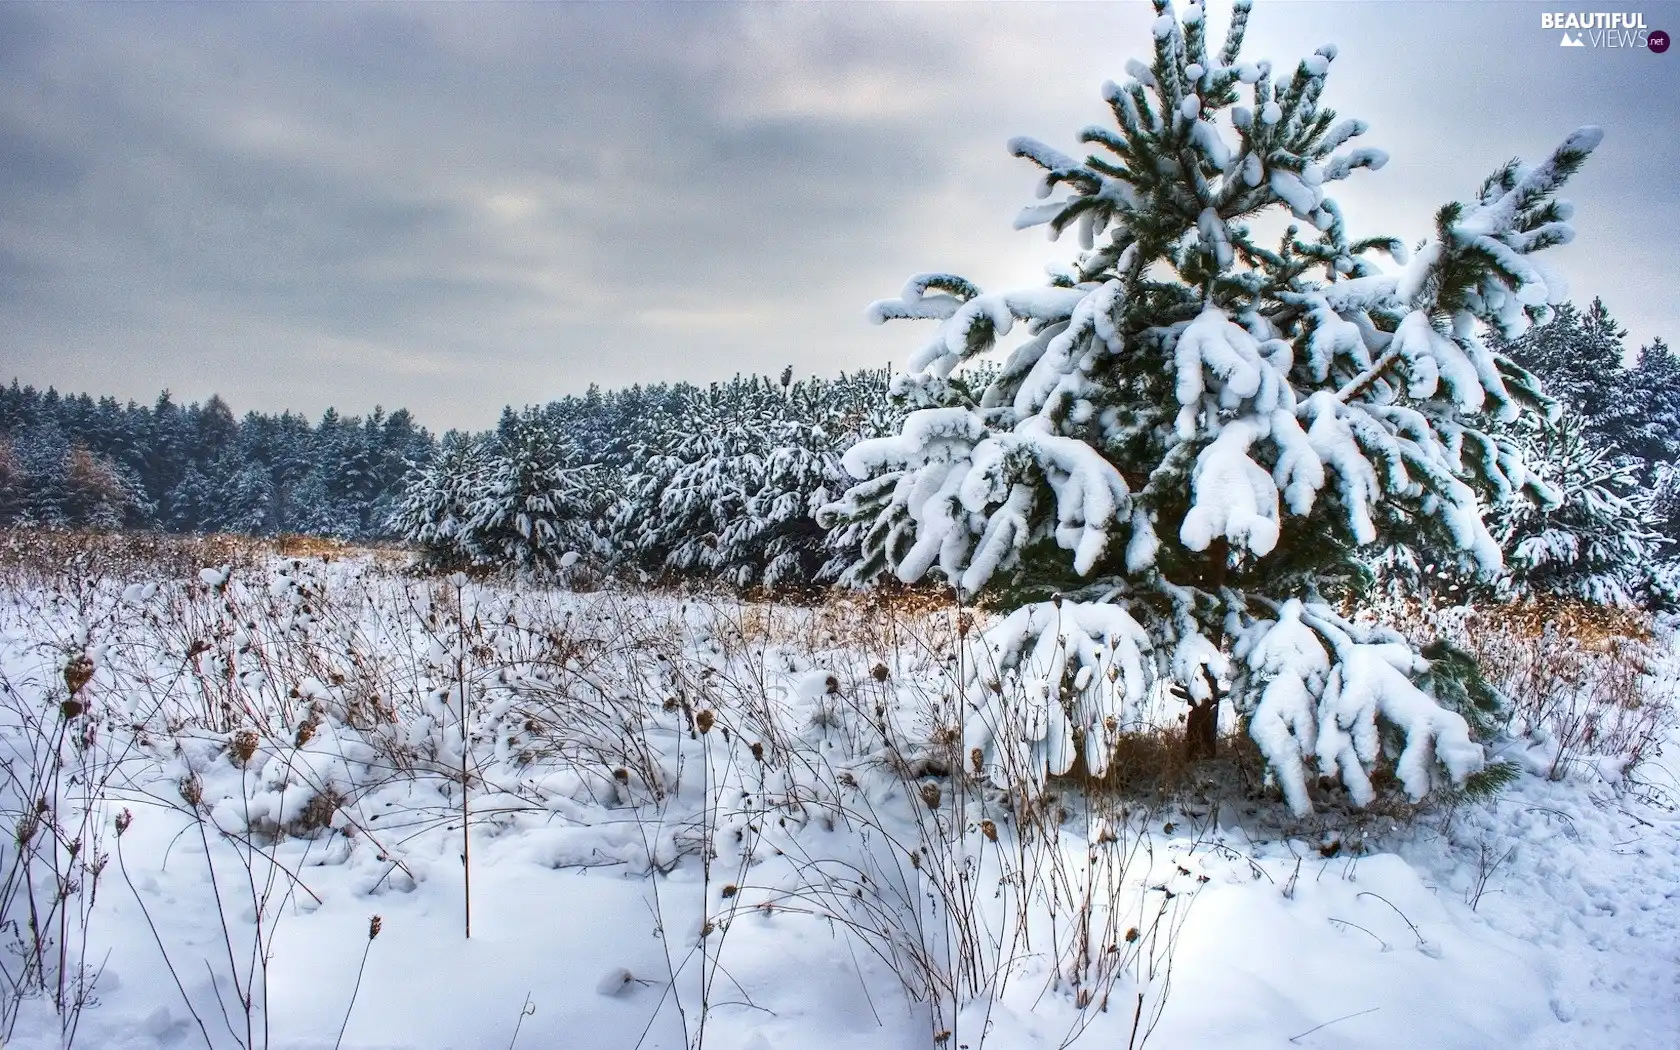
1549 917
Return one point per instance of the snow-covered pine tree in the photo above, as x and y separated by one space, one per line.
1594 542
13 479
1661 585
855 407
437 502
1656 380
728 483
1656 386
1197 431
243 497
1577 356
1606 540
537 500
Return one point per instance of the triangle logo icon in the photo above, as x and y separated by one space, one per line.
1568 42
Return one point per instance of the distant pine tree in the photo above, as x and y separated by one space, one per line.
1591 542
12 483
537 500
199 468
435 509
726 484
1611 456
1577 356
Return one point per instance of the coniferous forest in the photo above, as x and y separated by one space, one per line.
724 482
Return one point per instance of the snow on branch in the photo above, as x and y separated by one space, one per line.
1318 689
1045 672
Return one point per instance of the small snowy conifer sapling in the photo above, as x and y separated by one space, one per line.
1195 433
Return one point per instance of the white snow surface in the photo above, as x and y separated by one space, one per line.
1549 918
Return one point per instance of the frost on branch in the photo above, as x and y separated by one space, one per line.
1198 429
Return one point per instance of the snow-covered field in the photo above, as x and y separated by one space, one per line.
709 822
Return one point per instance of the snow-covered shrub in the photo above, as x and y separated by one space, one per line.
1201 431
58 768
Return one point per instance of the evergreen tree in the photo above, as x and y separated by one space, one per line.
243 498
12 482
1661 584
168 456
191 503
1593 541
520 499
199 468
537 498
435 509
1618 516
43 454
727 485
1656 437
1197 432
1577 356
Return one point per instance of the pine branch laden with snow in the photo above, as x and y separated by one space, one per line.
1201 428
1041 664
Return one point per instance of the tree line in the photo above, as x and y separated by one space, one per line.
725 481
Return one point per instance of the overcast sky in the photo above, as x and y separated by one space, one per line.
456 207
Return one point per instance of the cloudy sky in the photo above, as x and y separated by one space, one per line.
454 207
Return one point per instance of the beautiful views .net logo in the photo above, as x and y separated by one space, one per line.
1605 29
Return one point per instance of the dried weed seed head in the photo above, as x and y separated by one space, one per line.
375 924
77 671
192 790
28 824
988 829
243 745
704 720
930 793
306 731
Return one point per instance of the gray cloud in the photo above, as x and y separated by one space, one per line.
455 207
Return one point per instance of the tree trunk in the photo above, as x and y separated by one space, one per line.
1201 729
1201 724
